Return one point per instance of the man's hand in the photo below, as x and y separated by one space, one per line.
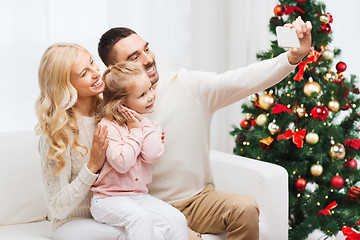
303 30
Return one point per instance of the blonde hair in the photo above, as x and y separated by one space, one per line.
54 106
119 79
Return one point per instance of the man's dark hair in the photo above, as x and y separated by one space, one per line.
108 40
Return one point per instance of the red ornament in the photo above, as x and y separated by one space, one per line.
245 124
301 1
300 184
278 10
320 112
330 17
341 67
325 28
337 182
351 163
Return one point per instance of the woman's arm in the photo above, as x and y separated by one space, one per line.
62 195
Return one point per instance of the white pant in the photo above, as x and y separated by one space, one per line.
144 217
88 229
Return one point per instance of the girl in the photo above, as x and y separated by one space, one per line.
71 146
121 196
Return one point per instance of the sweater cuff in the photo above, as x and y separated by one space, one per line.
284 61
86 176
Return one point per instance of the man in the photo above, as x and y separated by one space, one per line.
186 102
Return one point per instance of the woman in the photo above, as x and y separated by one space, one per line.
71 146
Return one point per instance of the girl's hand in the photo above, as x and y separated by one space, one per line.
98 149
130 117
137 115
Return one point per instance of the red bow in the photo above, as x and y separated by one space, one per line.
297 137
354 143
302 66
279 108
326 211
290 10
350 234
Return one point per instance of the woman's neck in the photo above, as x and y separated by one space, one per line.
86 106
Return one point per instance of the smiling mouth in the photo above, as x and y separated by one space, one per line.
98 83
150 106
150 71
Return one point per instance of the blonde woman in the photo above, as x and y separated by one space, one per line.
71 146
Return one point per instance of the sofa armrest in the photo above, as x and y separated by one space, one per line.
267 183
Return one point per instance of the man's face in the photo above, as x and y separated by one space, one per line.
133 48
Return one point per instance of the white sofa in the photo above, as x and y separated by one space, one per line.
23 211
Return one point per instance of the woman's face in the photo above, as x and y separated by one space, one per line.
85 76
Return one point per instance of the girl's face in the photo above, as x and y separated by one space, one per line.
85 76
141 97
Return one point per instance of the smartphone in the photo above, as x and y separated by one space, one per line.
287 37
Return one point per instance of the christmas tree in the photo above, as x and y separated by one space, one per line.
308 123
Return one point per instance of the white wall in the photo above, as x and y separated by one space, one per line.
209 35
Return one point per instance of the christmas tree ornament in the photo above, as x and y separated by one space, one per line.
273 128
341 67
301 1
311 87
334 105
353 193
300 111
325 28
265 143
337 182
350 163
337 151
327 54
324 18
330 76
320 112
266 101
297 136
300 184
245 124
261 120
330 17
312 138
278 10
254 97
316 170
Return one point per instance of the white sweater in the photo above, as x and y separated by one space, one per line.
67 194
185 104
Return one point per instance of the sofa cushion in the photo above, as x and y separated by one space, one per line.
22 198
29 231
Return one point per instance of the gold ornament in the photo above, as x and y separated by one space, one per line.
261 120
311 87
337 151
327 54
312 138
266 101
273 128
324 18
334 105
330 76
316 170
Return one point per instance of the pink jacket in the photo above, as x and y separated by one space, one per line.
127 169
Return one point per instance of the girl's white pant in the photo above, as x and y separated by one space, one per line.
144 217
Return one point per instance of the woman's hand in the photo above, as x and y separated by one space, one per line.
303 30
98 149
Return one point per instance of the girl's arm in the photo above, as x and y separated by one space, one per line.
153 143
124 146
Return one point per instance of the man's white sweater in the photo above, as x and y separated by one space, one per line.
185 104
